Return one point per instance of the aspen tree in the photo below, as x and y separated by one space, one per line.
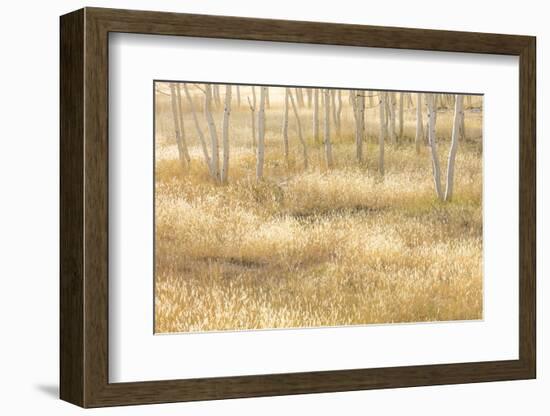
316 115
216 94
215 158
327 143
225 134
333 108
260 149
381 139
299 97
309 97
252 106
354 106
177 128
432 118
358 103
392 116
199 130
285 125
339 113
238 96
267 102
457 126
182 124
400 115
419 126
299 127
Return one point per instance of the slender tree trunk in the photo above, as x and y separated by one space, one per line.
454 146
316 115
462 124
309 93
238 96
299 127
327 143
436 170
334 108
392 116
400 116
215 159
381 139
359 115
419 123
177 127
355 109
199 130
285 126
339 113
300 97
371 99
217 98
182 124
225 134
252 106
267 102
260 150
387 112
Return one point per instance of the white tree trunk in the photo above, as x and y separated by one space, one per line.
316 115
462 134
401 115
252 106
339 113
182 124
358 98
333 109
225 135
436 170
199 130
217 98
177 128
419 123
267 102
260 150
392 116
299 97
355 111
215 159
381 138
285 126
327 142
459 113
299 127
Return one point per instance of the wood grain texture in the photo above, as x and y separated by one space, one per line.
71 213
84 207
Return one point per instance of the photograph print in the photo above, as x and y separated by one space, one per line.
281 207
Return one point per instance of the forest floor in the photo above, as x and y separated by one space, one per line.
316 247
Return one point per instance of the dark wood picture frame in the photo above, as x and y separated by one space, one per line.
84 207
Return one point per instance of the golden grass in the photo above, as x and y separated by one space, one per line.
315 248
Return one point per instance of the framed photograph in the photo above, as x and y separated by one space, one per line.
264 207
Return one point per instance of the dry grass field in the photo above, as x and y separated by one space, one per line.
315 247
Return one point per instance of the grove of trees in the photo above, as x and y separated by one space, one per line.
325 113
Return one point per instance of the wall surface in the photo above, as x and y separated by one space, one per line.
29 209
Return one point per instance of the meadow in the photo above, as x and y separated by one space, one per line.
315 247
